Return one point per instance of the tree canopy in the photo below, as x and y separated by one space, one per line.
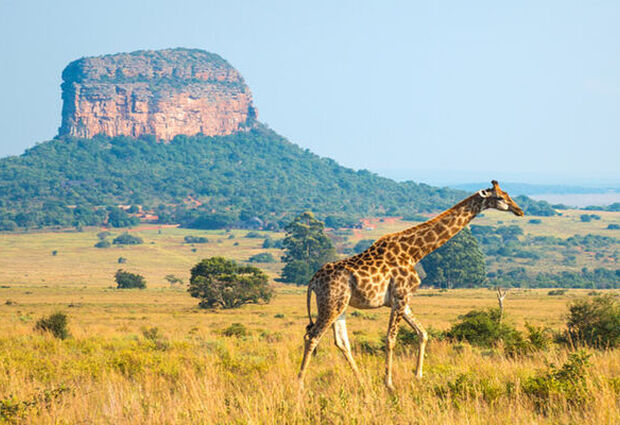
198 181
458 263
306 249
220 282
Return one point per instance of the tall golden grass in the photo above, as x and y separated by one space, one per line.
114 370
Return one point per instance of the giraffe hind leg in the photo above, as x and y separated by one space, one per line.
417 326
331 304
342 342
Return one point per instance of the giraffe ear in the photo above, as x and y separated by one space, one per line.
483 193
495 183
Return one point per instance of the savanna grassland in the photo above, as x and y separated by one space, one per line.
151 356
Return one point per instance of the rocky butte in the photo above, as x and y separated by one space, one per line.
161 93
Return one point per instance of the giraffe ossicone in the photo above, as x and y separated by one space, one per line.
385 275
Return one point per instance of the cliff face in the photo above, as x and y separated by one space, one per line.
161 93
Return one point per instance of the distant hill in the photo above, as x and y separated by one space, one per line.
198 181
537 189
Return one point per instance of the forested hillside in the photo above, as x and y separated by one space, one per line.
199 181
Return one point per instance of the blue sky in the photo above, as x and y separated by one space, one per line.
440 92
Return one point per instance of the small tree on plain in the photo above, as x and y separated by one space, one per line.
172 279
306 247
220 282
458 263
126 280
55 323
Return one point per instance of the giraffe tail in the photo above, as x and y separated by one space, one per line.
308 304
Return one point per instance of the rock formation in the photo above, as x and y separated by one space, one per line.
161 93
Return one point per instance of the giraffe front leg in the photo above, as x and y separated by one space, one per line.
417 326
392 332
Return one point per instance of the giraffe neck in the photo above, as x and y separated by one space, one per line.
427 237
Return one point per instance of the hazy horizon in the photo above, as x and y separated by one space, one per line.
441 94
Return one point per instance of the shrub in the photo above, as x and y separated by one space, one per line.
263 257
219 282
195 239
535 221
103 235
484 329
104 243
121 260
127 239
537 339
236 329
54 253
585 218
556 292
567 381
172 279
478 327
125 280
55 323
154 336
613 227
595 322
253 235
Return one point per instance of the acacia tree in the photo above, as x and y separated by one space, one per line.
458 263
220 282
306 247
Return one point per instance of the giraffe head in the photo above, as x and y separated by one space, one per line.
498 199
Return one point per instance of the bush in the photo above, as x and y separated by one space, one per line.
556 292
236 329
483 328
613 227
195 239
104 243
103 235
594 322
154 336
585 218
172 279
127 239
538 339
219 282
125 280
478 327
535 221
567 381
55 323
263 257
253 235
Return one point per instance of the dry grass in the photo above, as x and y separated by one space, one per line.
192 373
111 370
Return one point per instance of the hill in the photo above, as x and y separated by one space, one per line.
198 181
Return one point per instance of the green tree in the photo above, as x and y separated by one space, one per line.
262 257
125 280
220 282
458 263
119 218
306 247
127 239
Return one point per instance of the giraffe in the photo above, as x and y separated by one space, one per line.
384 275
